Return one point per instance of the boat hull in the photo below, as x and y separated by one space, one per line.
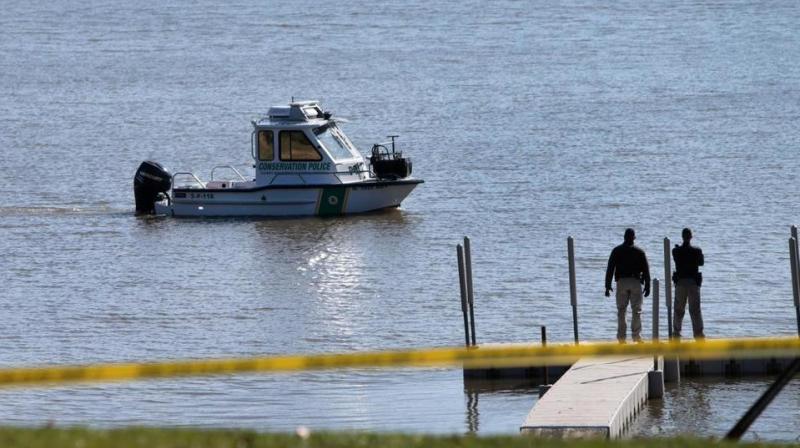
289 200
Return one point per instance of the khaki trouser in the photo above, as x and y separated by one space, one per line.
687 289
629 290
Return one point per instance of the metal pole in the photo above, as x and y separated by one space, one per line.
544 344
573 293
470 295
763 401
668 285
655 319
795 274
797 271
461 283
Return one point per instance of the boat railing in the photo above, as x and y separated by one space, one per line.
230 167
190 175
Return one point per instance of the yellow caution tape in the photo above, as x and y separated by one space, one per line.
485 356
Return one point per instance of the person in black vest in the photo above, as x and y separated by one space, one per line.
628 266
687 278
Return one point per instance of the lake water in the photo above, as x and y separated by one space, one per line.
529 121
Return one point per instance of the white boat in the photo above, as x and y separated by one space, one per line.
304 165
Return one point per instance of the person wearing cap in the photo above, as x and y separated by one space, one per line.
687 278
628 266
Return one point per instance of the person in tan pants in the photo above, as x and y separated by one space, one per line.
688 279
628 265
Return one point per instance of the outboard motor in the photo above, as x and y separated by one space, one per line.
388 164
149 184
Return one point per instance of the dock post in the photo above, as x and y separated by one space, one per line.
470 294
655 319
543 388
655 378
462 284
668 286
573 293
797 276
794 266
544 344
672 368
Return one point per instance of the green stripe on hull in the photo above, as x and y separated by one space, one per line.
332 201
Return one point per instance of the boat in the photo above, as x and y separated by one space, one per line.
304 165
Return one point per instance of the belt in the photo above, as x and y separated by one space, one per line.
693 275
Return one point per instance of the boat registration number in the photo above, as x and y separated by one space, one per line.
201 195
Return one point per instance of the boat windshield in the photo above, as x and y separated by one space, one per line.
334 140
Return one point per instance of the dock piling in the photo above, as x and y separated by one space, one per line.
668 285
793 261
797 276
573 293
470 293
672 371
655 378
544 367
462 284
655 319
545 386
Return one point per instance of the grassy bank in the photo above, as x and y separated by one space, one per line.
185 438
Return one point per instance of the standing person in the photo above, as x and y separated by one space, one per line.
628 265
687 278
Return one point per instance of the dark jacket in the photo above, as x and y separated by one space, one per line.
628 260
688 259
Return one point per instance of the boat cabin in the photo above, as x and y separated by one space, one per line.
302 144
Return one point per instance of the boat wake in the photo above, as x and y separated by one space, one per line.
9 211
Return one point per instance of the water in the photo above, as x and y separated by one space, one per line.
713 406
528 121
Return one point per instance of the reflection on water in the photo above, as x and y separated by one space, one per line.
505 404
473 415
709 407
340 267
83 209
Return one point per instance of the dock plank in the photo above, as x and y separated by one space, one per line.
596 397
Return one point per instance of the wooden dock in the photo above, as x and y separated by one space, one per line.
597 397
